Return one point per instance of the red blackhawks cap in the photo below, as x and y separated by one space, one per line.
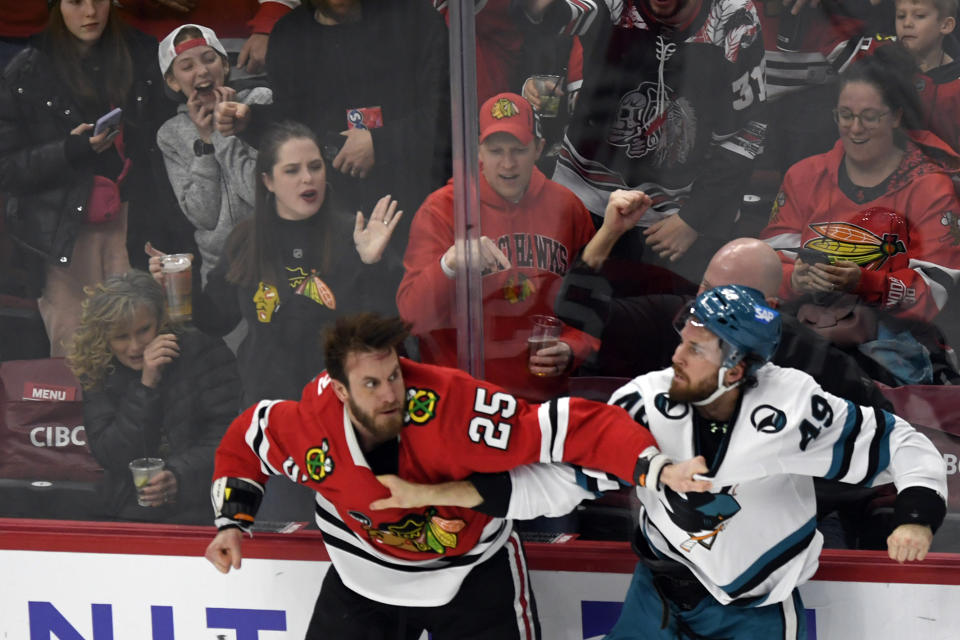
511 114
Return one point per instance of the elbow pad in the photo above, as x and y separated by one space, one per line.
235 502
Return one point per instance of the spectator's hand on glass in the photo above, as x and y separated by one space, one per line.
155 263
551 361
99 143
356 157
371 237
670 237
909 542
253 55
224 552
162 489
488 256
679 476
180 6
231 118
161 351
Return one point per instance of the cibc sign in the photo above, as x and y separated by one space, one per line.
53 435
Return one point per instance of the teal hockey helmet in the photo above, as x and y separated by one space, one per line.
740 318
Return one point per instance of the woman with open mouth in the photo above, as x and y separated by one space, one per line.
296 265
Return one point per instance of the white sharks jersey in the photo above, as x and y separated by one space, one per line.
753 538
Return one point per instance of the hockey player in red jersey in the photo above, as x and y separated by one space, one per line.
436 568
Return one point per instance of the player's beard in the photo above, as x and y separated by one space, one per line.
380 427
684 391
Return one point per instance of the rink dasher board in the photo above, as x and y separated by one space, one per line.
95 596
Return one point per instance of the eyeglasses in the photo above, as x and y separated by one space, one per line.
869 118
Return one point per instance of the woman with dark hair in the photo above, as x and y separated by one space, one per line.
65 187
291 269
868 231
151 390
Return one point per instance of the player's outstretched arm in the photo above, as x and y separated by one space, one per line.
909 542
223 552
411 495
681 476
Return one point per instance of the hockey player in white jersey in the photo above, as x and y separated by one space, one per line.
727 563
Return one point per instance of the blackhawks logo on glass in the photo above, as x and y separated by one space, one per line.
421 405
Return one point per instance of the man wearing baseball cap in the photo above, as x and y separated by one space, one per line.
531 231
211 175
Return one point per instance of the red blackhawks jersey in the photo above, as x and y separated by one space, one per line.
906 240
454 426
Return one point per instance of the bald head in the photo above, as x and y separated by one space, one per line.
746 261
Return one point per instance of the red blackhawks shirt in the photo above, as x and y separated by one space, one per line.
454 426
541 236
906 239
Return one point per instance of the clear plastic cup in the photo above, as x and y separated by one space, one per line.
545 333
549 89
143 470
178 283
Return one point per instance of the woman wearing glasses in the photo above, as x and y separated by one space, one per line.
876 217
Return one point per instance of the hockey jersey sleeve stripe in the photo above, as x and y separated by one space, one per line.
331 519
257 439
561 420
775 557
547 415
845 445
784 241
880 446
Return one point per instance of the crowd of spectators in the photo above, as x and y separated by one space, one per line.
301 153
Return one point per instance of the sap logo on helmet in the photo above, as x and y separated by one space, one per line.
765 315
767 419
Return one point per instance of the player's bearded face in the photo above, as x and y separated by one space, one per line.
696 363
384 422
375 396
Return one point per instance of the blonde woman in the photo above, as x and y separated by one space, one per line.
151 390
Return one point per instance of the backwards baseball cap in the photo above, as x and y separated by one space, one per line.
511 114
168 51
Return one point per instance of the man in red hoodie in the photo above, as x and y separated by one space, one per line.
531 231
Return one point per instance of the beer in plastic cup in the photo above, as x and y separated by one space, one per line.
545 333
143 469
178 284
548 87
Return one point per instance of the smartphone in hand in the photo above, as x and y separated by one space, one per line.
108 121
812 256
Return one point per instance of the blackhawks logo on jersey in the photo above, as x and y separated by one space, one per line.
421 406
518 288
416 532
846 241
319 462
